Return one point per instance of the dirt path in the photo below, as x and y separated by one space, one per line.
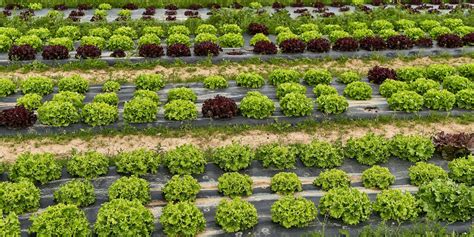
113 144
191 72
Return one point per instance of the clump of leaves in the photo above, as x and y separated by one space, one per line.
185 159
292 211
181 188
130 188
377 177
88 165
407 101
250 80
413 148
17 117
180 110
152 82
236 215
40 167
265 47
390 87
370 149
332 104
140 110
61 219
20 197
256 105
76 192
279 76
320 45
358 91
276 156
333 178
219 107
233 157
191 219
348 204
465 99
322 155
461 170
289 87
234 184
296 104
292 46
453 145
396 205
137 162
378 74
286 183
423 172
215 82
9 225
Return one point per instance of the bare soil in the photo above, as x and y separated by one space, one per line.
112 145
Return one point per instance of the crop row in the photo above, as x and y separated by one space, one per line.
409 89
134 4
439 196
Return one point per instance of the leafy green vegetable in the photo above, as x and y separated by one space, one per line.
286 183
390 87
348 77
377 177
110 98
413 148
462 170
182 219
152 82
72 97
465 99
74 83
457 83
234 184
333 178
7 87
279 76
41 167
185 159
233 157
75 192
182 93
423 172
137 162
58 114
9 225
348 204
140 110
180 110
276 156
215 82
370 149
332 104
358 91
256 105
422 85
322 155
61 220
130 188
292 211
394 205
181 188
250 80
30 101
88 165
111 86
290 87
38 85
317 76
407 101
439 99
99 114
20 197
323 89
236 215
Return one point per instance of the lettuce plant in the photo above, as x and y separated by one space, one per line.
142 94
348 204
61 219
466 70
233 184
233 157
110 98
31 40
292 46
136 162
314 77
206 28
39 85
126 31
396 205
322 155
140 110
323 89
74 98
180 110
422 85
185 159
256 28
231 40
19 197
30 101
7 87
465 99
286 35
278 76
122 42
230 28
377 177
358 91
292 211
372 43
346 44
73 83
236 215
333 178
286 183
309 35
179 29
112 86
75 192
58 114
265 47
41 168
319 45
457 83
370 149
205 37
71 32
449 41
407 101
178 39
156 30
130 188
379 25
88 165
215 82
62 41
348 77
17 117
10 225
99 114
289 87
332 104
423 172
439 99
181 188
410 73
207 49
219 107
55 52
460 170
152 82
390 87
100 32
5 43
438 72
88 52
256 106
276 156
250 80
178 50
296 104
191 219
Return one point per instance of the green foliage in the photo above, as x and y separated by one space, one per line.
292 211
332 104
156 30
181 188
142 94
72 32
250 80
205 37
379 25
58 114
439 99
446 201
31 40
149 39
88 165
30 101
206 28
230 28
321 154
279 76
328 28
231 40
110 98
104 6
256 106
427 25
100 32
280 29
215 82
180 110
348 77
390 87
75 192
286 183
20 197
439 30
60 220
463 30
466 70
10 225
332 178
178 39
41 168
396 205
387 33
137 162
423 172
276 156
410 73
42 33
74 83
453 22
377 177
323 89
122 42
233 157
121 216
289 87
182 93
422 85
462 170
111 86
356 25
74 98
185 159
182 219
358 91
10 32
413 148
152 82
39 85
63 41
310 35
457 83
179 29
296 104
438 72
348 204
259 37
362 33
130 188
126 31
407 101
404 24
465 99
317 76
234 184
99 42
255 5
337 34
5 43
236 215
370 149
140 110
99 114
414 33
